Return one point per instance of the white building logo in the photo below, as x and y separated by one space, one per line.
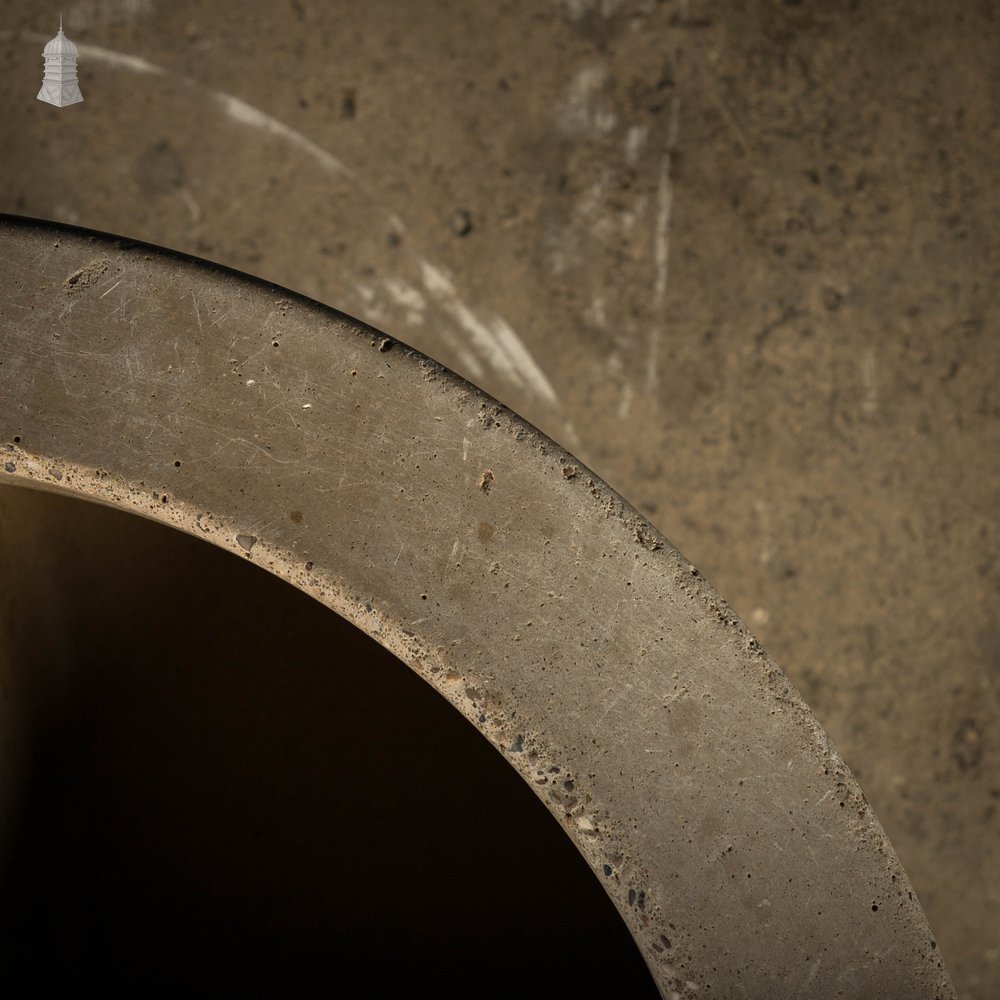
59 85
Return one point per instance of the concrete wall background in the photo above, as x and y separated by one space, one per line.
740 257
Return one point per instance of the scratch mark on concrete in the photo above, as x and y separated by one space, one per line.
111 289
197 313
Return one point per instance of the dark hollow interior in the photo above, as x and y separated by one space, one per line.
229 786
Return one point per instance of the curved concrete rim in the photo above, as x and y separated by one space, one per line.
730 835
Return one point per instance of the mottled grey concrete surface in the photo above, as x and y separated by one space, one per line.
741 258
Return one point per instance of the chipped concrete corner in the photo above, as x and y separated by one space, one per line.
705 796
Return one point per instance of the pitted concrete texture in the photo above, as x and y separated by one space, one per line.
728 832
740 257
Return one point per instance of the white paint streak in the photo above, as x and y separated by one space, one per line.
571 438
516 350
193 207
764 518
247 114
135 64
625 405
635 139
558 261
470 363
591 201
582 111
495 341
371 305
234 108
404 294
64 213
595 314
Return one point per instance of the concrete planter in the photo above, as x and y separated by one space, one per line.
701 791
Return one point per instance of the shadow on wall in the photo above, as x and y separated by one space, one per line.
230 786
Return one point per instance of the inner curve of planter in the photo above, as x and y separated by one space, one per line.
214 781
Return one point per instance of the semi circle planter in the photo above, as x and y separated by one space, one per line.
731 837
